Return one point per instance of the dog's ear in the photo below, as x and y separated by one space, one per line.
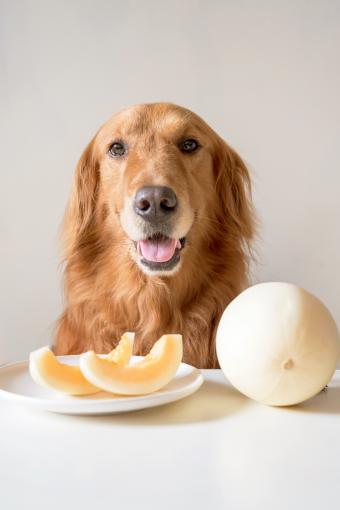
80 210
233 189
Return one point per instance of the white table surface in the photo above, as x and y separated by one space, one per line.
213 450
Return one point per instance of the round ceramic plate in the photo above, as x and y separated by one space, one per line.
17 385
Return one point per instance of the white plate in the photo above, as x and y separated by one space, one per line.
16 384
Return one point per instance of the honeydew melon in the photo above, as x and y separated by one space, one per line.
46 369
277 343
146 376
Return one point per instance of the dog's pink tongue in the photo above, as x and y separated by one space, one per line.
158 251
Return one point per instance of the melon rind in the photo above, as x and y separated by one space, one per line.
278 344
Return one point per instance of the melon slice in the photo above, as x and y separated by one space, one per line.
47 371
123 352
146 376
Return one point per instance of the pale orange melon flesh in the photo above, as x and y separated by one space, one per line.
123 352
146 376
47 371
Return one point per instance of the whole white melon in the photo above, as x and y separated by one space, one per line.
277 344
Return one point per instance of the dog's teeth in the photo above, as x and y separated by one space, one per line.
138 248
178 245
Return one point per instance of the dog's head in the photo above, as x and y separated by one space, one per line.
161 180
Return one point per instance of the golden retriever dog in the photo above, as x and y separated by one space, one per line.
157 234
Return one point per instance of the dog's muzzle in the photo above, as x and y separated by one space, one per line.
156 206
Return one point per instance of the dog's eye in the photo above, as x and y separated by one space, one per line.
190 145
117 149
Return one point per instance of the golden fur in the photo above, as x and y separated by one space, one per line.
106 292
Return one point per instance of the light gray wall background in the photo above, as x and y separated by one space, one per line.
264 74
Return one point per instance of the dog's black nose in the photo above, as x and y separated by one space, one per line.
154 203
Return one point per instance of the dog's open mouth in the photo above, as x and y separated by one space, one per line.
159 251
